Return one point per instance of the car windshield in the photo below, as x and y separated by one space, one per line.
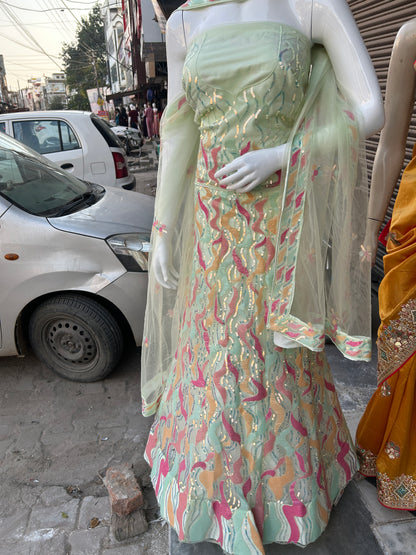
41 189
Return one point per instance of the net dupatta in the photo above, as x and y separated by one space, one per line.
322 284
323 276
179 146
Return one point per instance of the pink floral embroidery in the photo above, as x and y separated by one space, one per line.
315 172
159 227
365 254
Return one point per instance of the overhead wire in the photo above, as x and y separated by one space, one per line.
26 46
54 17
23 30
33 9
50 10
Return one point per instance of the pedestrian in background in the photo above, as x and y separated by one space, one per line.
148 113
123 118
134 117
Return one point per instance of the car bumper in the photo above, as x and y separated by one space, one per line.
128 293
129 182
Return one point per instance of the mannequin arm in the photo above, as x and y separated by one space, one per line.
179 145
333 26
252 168
400 96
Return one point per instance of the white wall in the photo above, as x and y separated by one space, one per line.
150 28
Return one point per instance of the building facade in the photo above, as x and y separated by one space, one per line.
136 52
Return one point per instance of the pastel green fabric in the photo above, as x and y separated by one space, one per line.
316 289
249 445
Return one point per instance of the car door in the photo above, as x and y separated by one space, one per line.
53 138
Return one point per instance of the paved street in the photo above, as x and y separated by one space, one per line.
57 438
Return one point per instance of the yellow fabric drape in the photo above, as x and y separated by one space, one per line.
384 435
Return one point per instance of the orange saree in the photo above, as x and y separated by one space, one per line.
384 435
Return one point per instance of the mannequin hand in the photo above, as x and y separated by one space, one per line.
165 273
284 342
249 170
370 243
369 248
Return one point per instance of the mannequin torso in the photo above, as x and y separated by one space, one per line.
327 22
400 99
290 12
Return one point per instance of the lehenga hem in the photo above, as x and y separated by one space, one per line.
243 519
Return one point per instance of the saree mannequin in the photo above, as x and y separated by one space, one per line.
385 435
248 434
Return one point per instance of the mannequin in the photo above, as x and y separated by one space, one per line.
327 22
391 148
385 433
148 113
247 131
155 120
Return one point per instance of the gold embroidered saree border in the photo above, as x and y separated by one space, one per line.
393 493
397 493
396 341
368 460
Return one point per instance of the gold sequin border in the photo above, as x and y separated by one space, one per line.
396 341
397 493
367 461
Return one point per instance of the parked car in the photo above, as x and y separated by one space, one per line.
73 265
131 138
79 142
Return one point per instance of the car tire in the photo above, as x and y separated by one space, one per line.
76 337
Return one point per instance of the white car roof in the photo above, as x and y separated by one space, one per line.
46 114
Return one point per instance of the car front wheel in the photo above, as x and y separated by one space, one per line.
76 337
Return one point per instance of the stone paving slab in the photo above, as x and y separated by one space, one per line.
397 538
58 435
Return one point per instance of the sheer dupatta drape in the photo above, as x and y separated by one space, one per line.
322 280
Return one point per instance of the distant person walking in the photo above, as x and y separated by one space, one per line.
123 118
155 120
134 117
143 121
148 113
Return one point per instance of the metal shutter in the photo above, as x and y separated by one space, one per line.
379 21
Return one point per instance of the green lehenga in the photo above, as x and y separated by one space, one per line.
249 444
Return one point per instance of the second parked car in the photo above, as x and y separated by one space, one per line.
79 142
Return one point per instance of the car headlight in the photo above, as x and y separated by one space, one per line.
132 249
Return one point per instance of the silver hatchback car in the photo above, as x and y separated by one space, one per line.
79 142
73 265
